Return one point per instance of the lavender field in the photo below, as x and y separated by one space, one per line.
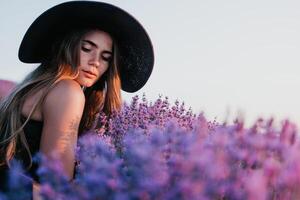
162 150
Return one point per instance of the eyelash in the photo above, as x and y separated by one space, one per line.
104 58
85 49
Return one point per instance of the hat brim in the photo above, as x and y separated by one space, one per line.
135 47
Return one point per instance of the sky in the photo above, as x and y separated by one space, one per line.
227 58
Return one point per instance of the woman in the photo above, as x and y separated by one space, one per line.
88 52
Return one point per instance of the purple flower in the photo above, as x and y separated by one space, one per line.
155 150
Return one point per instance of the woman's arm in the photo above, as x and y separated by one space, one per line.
62 111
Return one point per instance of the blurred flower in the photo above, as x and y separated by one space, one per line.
5 88
155 150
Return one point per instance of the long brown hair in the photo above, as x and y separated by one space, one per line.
61 63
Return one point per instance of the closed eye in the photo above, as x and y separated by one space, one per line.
85 49
108 59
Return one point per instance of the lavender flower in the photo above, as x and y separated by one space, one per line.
162 151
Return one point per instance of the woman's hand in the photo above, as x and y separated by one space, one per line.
36 191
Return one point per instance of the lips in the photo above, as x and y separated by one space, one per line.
89 74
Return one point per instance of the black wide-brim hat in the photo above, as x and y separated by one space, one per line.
135 48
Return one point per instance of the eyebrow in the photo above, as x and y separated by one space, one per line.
95 45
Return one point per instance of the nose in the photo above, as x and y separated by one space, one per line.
94 61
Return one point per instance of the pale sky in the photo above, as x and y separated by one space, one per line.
215 55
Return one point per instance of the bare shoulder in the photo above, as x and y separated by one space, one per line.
64 94
66 89
67 86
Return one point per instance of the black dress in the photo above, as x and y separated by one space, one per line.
33 132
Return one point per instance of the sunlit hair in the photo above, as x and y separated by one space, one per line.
61 63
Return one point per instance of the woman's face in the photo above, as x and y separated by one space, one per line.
95 55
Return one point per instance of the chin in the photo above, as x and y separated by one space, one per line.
86 83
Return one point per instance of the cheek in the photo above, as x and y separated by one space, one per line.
103 69
82 60
84 57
